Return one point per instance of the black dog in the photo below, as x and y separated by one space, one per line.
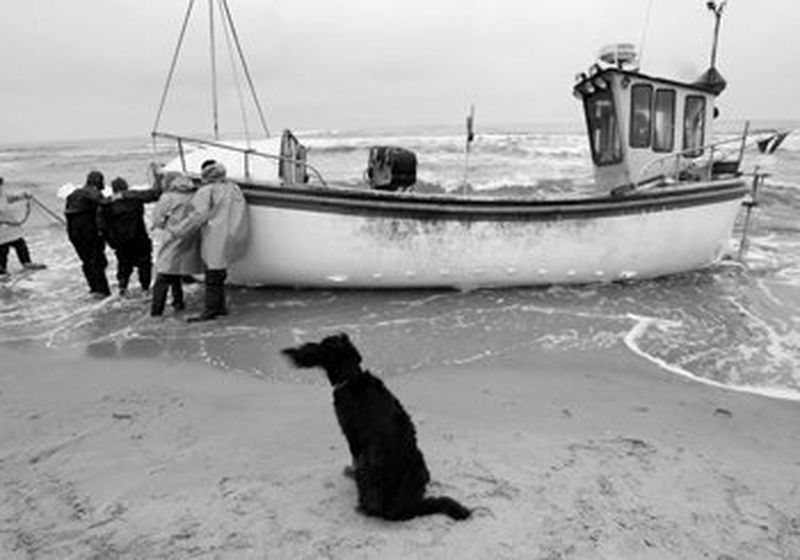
390 472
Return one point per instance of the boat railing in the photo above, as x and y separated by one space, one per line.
710 166
247 154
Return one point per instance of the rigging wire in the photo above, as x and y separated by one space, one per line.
644 31
224 4
230 32
236 80
213 52
172 66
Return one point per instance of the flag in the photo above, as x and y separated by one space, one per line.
771 143
470 132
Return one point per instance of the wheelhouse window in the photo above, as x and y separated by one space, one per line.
694 124
664 121
641 117
601 119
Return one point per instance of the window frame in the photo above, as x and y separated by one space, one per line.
607 124
641 139
670 123
696 150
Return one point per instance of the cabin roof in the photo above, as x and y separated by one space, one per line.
600 72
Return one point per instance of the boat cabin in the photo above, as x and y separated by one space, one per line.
643 128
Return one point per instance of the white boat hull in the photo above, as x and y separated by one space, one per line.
308 239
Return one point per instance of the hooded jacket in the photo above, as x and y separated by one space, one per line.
176 255
218 209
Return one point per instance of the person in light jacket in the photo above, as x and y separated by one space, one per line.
219 211
11 234
176 256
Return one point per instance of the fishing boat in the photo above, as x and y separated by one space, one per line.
668 197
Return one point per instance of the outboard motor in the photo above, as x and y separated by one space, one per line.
391 169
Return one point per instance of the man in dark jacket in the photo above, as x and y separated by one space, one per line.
121 224
81 213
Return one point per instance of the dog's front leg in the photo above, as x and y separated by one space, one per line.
355 452
351 434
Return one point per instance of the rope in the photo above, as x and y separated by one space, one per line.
171 73
41 205
23 220
224 4
49 212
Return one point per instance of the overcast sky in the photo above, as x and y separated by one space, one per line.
96 68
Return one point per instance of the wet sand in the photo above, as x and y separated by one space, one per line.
587 454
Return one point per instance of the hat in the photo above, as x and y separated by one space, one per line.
119 184
213 172
168 177
181 183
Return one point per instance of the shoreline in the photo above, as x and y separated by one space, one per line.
593 454
777 393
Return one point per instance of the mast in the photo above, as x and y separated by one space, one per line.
711 79
717 10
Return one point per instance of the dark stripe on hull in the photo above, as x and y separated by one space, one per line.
443 207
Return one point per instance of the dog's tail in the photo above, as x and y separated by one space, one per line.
445 505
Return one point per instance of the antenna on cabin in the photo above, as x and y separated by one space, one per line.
711 79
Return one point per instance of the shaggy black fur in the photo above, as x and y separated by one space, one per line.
389 469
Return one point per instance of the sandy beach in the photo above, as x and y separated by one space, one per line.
581 455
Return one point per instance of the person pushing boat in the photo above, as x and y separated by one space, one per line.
121 224
219 210
81 213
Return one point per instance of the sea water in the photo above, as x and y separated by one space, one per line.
734 324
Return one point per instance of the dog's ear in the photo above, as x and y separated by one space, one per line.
306 356
343 348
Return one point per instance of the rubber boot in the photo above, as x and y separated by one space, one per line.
145 274
214 297
160 288
221 303
177 294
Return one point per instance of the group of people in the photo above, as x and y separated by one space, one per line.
203 229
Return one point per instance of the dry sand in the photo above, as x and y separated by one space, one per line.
586 455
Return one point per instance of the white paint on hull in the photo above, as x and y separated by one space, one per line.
291 247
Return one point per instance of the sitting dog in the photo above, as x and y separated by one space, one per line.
388 467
